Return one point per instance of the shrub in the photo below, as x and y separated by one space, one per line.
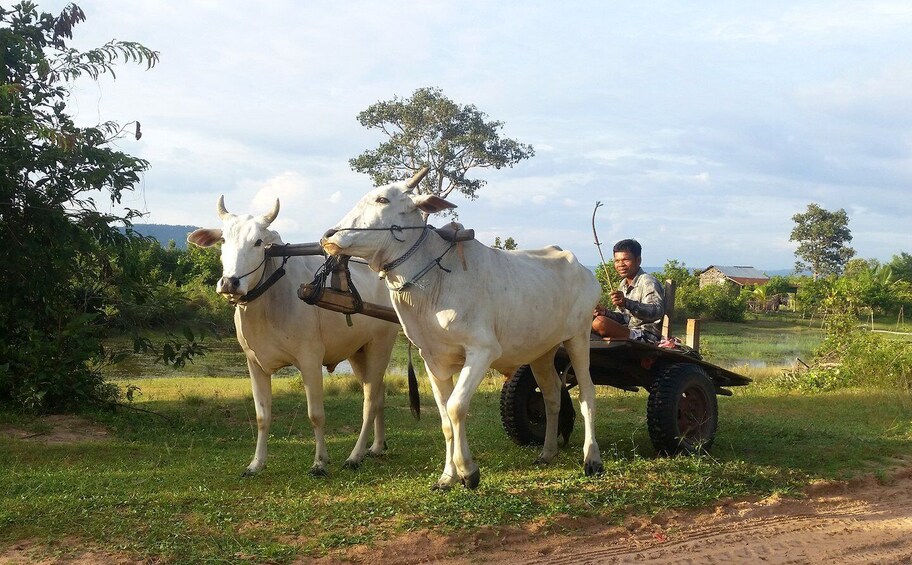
717 302
849 356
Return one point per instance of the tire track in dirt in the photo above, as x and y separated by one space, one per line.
866 523
861 521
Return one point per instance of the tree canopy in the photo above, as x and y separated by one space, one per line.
430 129
67 269
508 244
822 238
901 265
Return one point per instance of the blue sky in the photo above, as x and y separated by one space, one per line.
702 127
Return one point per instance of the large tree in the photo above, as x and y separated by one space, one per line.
430 129
67 268
901 266
822 238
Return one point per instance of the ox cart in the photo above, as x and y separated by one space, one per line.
681 413
682 409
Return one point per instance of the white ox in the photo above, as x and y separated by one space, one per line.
502 309
277 330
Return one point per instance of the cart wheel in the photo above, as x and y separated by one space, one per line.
522 410
682 412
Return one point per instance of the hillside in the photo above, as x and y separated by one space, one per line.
165 233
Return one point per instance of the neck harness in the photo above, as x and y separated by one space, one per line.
262 286
426 229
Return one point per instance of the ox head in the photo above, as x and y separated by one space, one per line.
364 232
243 239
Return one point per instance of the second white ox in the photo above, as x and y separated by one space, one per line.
277 330
499 309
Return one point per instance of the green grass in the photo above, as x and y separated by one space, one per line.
168 488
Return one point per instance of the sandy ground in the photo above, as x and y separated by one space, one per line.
860 521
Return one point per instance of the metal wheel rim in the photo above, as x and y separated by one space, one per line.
693 413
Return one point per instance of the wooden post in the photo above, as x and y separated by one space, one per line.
692 338
669 308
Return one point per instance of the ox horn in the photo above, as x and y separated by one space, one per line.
220 208
416 178
271 216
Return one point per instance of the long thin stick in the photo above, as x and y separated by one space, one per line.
599 246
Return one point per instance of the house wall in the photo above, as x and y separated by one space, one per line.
712 276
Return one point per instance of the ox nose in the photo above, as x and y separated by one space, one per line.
229 284
329 233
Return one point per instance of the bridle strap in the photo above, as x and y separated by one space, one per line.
393 264
263 286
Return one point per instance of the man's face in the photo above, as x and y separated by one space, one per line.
626 264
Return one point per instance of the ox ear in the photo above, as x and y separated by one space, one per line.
205 237
431 204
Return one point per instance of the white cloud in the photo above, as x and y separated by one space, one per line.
702 129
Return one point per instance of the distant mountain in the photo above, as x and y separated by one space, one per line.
164 233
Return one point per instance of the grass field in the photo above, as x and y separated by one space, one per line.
168 486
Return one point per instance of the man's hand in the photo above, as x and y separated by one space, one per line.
618 299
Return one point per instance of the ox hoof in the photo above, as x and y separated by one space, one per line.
351 464
471 482
593 468
377 451
317 471
248 472
541 462
441 487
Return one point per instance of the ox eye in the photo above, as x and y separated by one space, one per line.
258 243
382 200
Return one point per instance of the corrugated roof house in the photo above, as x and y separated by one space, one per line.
741 276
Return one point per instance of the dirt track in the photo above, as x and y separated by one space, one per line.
862 521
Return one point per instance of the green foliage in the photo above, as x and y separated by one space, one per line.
68 273
679 273
779 285
508 244
822 237
849 356
608 279
724 303
430 129
874 285
901 266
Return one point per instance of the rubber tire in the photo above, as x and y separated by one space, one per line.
522 410
680 395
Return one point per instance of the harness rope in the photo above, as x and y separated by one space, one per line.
323 273
405 256
262 286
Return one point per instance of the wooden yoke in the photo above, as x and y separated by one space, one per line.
338 297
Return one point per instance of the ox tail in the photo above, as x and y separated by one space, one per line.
414 399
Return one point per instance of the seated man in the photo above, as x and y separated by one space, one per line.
639 302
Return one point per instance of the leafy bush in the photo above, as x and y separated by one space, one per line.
717 302
69 274
849 356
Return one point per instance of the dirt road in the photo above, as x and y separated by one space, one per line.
862 521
